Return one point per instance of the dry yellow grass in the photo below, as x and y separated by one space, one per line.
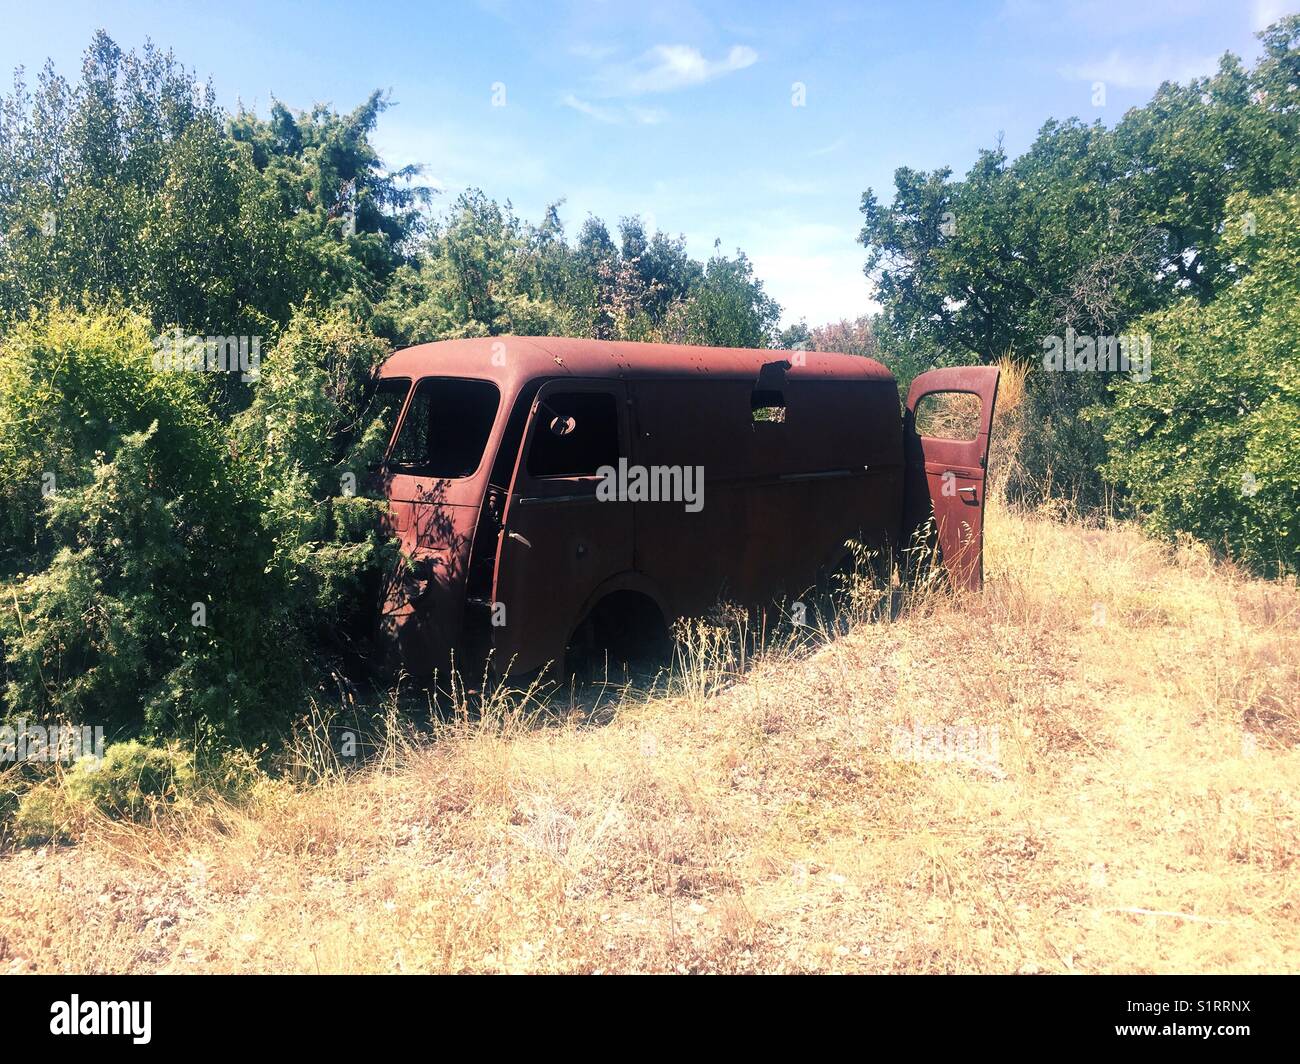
1140 814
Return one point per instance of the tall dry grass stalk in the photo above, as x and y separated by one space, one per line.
1008 426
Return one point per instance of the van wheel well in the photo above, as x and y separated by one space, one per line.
624 633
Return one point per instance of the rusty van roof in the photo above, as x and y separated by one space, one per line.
523 358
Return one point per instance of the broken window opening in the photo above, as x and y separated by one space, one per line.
767 406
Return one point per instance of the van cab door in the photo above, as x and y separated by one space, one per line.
434 477
946 437
558 541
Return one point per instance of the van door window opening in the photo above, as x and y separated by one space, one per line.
949 416
576 434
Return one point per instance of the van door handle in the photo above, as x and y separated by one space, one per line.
519 538
966 491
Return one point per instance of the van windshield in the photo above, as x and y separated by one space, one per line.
446 428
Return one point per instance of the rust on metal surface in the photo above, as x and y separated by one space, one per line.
551 494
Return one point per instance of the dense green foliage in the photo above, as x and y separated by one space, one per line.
132 781
482 271
169 568
130 187
1211 445
1091 230
129 777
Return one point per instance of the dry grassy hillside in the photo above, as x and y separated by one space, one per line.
1127 801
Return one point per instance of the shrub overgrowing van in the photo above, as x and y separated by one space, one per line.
558 497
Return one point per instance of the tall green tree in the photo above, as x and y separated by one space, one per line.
131 187
1210 446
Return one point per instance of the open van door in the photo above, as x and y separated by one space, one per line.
946 436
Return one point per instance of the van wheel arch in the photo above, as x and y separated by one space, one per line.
622 624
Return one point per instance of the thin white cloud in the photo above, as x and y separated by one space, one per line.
813 269
595 52
670 67
785 185
833 146
607 115
819 288
1142 71
614 116
459 156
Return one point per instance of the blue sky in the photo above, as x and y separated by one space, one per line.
683 112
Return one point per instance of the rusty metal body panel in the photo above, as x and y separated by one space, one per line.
512 555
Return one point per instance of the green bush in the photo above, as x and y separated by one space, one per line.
130 779
186 576
311 435
71 386
43 815
1210 446
130 782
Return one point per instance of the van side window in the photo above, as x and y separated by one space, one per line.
767 405
576 434
446 428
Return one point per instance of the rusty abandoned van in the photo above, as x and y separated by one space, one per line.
555 498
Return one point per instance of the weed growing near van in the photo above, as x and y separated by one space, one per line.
130 782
